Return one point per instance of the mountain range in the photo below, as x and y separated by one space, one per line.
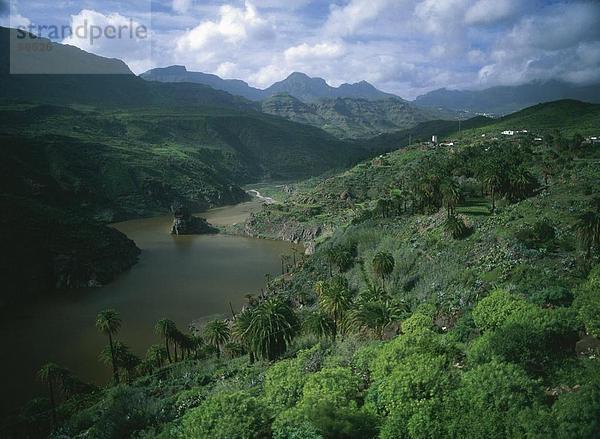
502 100
299 85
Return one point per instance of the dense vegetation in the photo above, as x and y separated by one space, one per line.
454 291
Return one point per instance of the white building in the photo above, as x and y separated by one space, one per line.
508 133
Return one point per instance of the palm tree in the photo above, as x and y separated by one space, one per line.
319 325
493 183
52 375
156 355
216 334
271 328
521 182
240 331
450 195
376 316
455 227
383 266
109 323
330 255
335 299
588 231
114 354
166 328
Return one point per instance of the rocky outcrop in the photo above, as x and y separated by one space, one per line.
184 223
261 226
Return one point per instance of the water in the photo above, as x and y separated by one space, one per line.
182 278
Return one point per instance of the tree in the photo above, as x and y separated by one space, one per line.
109 323
383 266
455 227
376 316
450 195
588 231
52 375
118 355
521 183
271 328
335 299
166 328
156 355
240 331
216 334
493 183
319 324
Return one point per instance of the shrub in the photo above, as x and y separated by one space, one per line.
415 379
489 399
555 295
533 338
228 415
284 382
492 311
587 302
417 323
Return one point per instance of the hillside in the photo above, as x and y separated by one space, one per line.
84 150
567 116
181 74
67 75
349 117
442 283
502 100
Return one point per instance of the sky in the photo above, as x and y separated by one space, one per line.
406 47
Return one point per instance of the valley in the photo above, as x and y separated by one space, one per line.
289 257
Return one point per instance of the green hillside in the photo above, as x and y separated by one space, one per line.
567 116
349 117
452 291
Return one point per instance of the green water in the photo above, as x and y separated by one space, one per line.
182 278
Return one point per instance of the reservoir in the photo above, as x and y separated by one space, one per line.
182 278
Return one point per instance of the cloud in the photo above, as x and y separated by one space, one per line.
235 25
122 37
402 46
10 16
352 18
317 51
490 11
560 42
181 6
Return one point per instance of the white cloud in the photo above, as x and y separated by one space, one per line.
181 6
352 18
318 51
122 37
489 11
234 26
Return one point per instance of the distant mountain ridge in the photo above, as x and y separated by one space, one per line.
181 74
349 117
502 100
298 85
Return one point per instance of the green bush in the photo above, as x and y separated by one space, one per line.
534 338
493 311
488 401
284 382
417 323
587 302
228 415
415 379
